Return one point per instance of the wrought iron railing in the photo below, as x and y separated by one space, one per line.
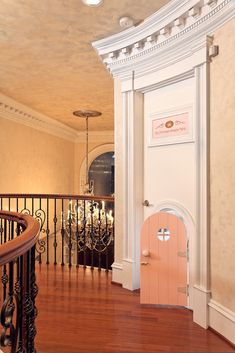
74 229
18 236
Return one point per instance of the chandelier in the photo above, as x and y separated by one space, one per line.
89 223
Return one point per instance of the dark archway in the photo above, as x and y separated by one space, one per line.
101 174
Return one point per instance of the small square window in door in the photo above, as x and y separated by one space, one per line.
163 234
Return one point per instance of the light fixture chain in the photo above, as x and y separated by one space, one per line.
87 171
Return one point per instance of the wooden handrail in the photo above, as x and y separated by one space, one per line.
21 244
58 196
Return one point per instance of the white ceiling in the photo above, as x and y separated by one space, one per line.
47 61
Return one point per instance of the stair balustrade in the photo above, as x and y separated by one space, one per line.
74 229
18 237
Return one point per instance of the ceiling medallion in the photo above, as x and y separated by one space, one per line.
92 2
87 113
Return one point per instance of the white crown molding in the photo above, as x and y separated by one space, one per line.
159 20
96 136
153 44
20 113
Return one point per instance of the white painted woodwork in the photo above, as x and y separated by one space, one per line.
22 114
17 112
170 170
174 52
133 194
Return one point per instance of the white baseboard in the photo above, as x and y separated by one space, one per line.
117 271
222 320
131 275
201 299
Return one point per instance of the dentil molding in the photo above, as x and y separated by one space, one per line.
180 27
20 113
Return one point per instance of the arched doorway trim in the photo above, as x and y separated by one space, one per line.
92 155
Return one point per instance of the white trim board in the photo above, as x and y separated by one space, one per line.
117 269
172 45
222 320
21 114
168 34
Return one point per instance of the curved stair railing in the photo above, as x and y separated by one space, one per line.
18 237
74 229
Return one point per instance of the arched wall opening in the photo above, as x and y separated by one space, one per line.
92 155
101 174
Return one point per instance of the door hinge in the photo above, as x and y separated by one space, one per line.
188 250
182 253
184 290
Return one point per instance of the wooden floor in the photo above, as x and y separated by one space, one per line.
81 311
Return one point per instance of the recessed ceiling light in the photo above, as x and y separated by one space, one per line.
92 2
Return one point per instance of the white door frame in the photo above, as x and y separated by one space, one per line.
170 46
134 164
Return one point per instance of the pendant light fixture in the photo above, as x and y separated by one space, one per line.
86 114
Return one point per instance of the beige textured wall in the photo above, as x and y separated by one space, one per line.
223 168
34 162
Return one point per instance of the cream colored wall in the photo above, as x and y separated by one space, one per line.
223 168
33 161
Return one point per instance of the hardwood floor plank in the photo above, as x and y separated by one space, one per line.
81 311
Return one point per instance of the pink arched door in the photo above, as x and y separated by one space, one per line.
163 272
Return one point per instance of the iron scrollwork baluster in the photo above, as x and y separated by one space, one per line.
9 334
70 233
30 295
40 215
62 232
19 294
77 233
55 231
47 232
